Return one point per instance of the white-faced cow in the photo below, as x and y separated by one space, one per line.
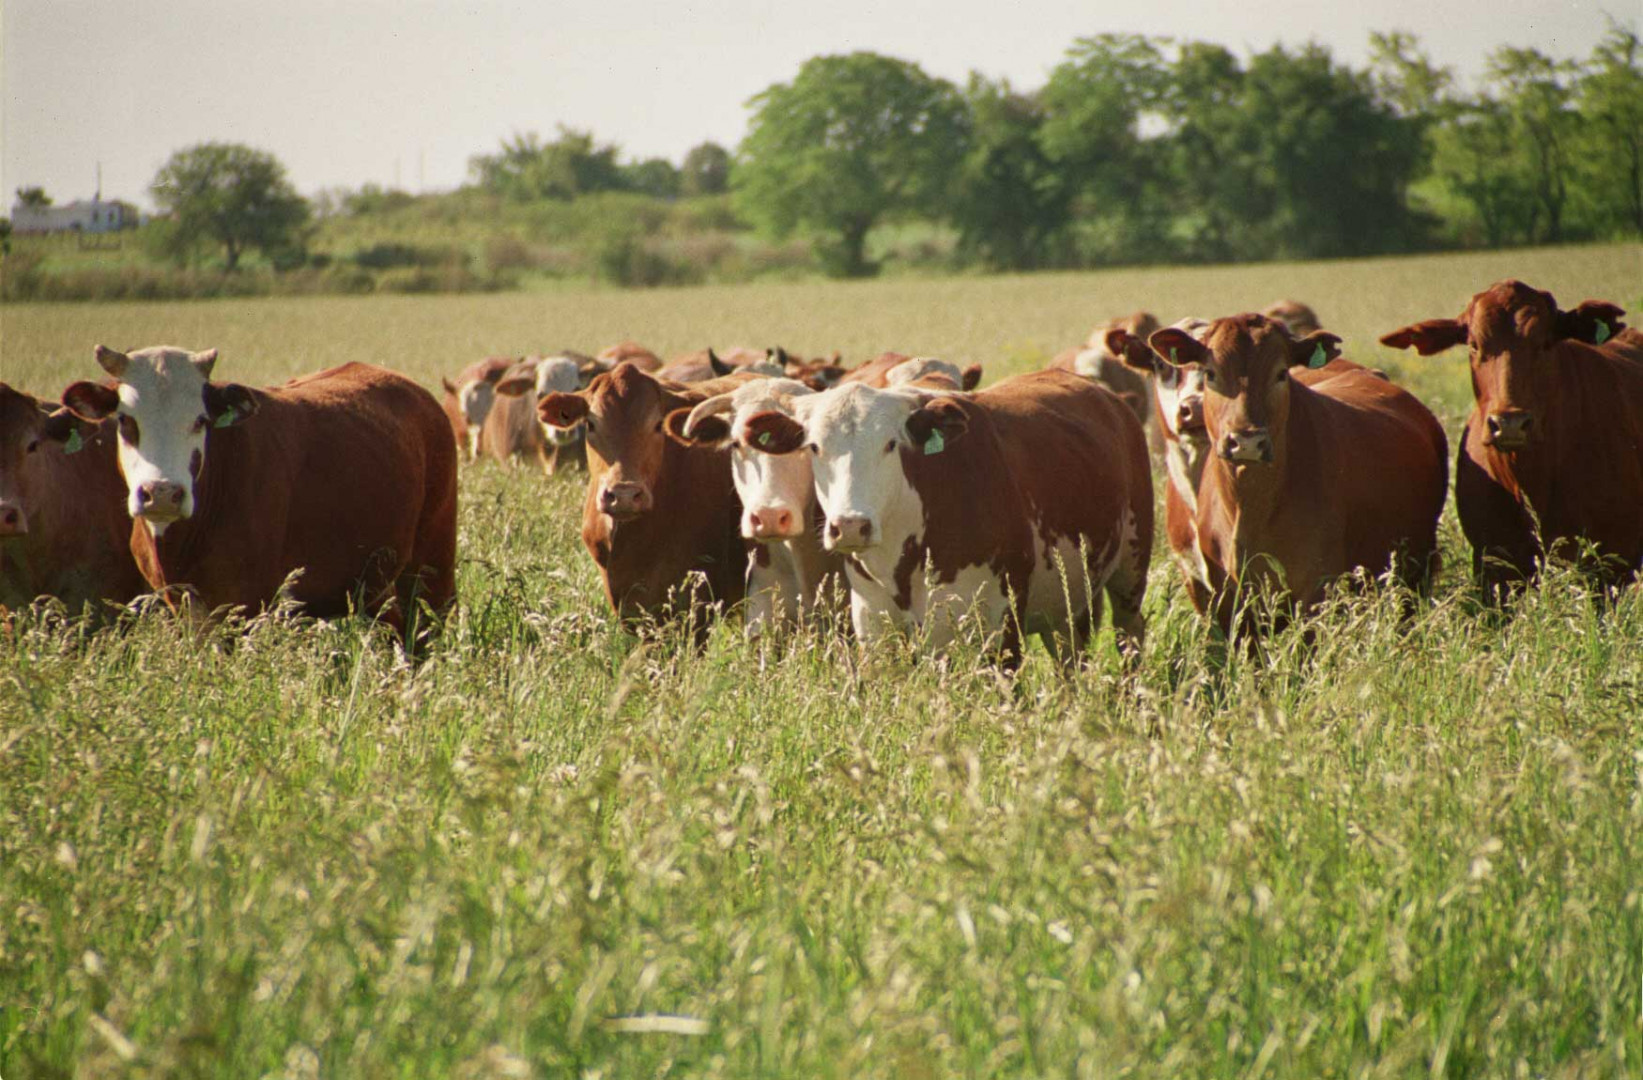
1025 501
515 432
661 521
1552 455
63 522
787 569
348 475
468 399
1305 483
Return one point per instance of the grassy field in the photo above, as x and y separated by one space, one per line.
1416 850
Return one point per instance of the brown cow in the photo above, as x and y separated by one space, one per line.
348 475
628 352
467 401
1305 483
876 372
63 523
705 364
1096 361
1025 501
1297 318
514 430
658 518
818 374
1555 437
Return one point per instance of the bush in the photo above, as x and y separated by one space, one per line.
392 256
624 257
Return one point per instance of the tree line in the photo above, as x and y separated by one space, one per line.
1135 150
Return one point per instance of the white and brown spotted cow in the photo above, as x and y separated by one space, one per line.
788 569
1025 500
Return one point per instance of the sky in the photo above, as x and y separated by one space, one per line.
404 92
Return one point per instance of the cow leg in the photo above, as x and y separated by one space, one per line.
1126 589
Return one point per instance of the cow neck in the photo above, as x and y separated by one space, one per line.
1184 461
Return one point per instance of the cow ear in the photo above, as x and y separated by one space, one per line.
204 361
717 366
515 384
971 377
450 388
89 401
494 375
562 410
708 431
1594 322
1130 350
815 382
774 432
1178 348
934 425
1315 350
228 403
1431 336
61 425
111 360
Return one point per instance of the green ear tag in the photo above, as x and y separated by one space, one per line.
1318 358
73 444
935 444
1602 333
1172 357
224 419
764 438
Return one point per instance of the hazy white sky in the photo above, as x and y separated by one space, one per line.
350 91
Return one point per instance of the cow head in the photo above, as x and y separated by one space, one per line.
167 408
776 490
541 376
1511 331
856 437
1178 391
818 374
1245 361
1296 317
29 428
933 374
623 412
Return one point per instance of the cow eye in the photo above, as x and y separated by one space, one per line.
199 425
1169 376
1282 375
890 446
33 446
1209 378
128 429
589 421
814 449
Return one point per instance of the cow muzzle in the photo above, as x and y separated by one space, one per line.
1189 415
1509 430
160 501
849 533
13 522
1249 446
624 501
771 523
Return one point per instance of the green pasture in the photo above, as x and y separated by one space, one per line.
1414 849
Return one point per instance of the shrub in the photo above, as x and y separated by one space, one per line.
389 256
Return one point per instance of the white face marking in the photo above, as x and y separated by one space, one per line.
1185 451
559 374
476 398
162 404
923 367
857 433
769 483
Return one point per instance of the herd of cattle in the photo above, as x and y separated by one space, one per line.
759 479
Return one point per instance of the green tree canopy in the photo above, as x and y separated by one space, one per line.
233 197
1610 96
706 170
527 168
851 140
655 177
1011 204
33 197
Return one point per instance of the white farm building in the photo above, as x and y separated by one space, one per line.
82 215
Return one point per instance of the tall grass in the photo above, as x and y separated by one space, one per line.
275 850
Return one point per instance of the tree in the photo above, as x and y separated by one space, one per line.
1536 94
35 198
706 170
527 168
1011 204
1476 155
1208 176
850 141
1610 95
231 196
655 177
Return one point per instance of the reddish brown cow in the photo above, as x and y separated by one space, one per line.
876 372
514 430
63 523
467 401
657 515
1096 361
1305 483
1555 437
347 475
1297 318
628 352
704 364
818 374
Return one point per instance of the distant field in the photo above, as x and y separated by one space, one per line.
1413 851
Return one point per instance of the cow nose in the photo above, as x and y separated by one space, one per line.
770 524
1189 414
161 498
849 533
13 522
624 499
1251 444
1509 428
